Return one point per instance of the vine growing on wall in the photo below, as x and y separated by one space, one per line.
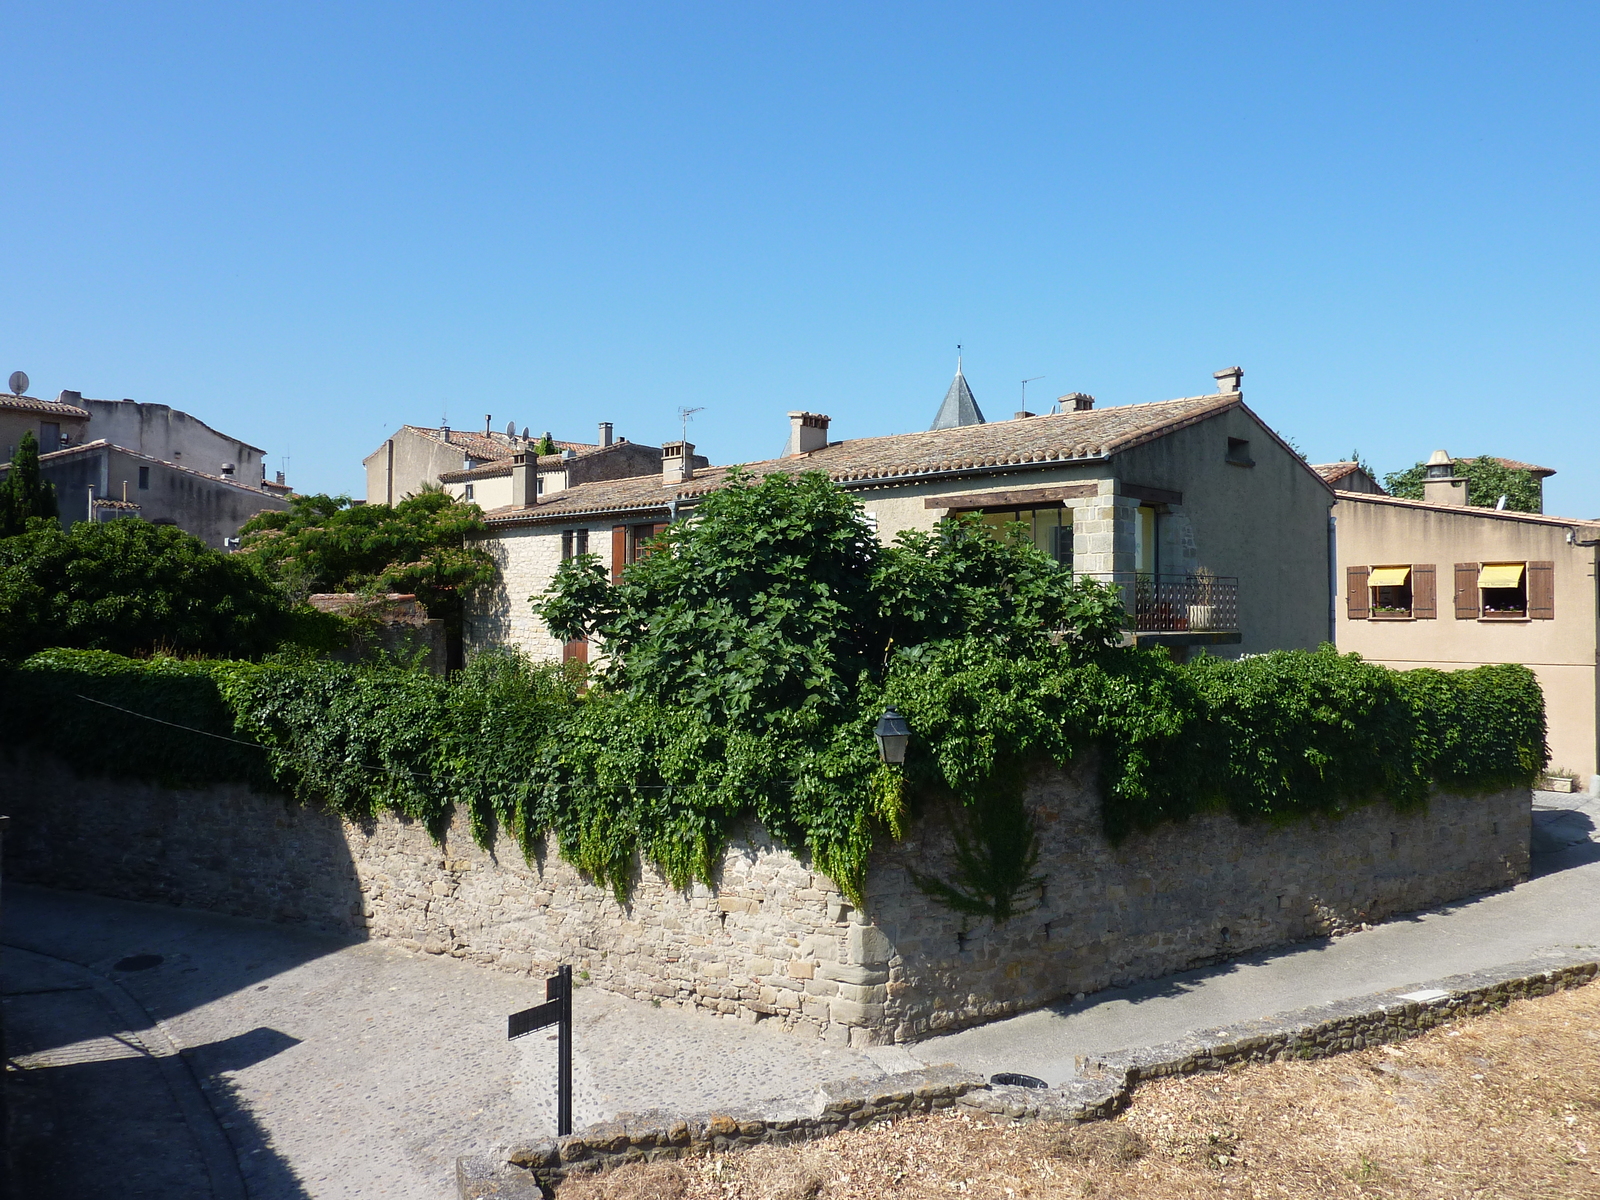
749 656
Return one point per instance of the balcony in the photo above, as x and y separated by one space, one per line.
1180 610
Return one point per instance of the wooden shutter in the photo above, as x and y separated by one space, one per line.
575 650
1466 591
1542 591
1358 601
619 551
1424 592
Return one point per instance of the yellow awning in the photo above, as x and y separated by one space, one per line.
1388 576
1500 575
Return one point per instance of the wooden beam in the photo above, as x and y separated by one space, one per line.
1040 497
1149 495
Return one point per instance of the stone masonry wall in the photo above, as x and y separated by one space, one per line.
775 941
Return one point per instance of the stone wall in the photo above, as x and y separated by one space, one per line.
775 941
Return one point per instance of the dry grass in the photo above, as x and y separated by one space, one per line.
1503 1107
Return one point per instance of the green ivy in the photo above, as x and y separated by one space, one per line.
750 655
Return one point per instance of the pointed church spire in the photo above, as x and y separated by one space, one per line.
959 408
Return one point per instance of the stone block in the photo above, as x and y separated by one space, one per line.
867 944
849 1012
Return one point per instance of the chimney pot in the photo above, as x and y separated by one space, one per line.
1441 484
677 462
808 431
1228 379
605 434
1018 416
1075 402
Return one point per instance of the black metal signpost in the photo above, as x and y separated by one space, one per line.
557 1011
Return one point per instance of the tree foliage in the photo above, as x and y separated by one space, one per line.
750 654
135 588
24 494
427 545
1487 480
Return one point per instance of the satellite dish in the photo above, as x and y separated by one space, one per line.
511 429
19 383
524 433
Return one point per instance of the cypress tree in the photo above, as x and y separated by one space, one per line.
23 494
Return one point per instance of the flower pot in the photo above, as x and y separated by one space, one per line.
1560 783
1200 616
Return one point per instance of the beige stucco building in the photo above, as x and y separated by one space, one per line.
1217 532
1440 584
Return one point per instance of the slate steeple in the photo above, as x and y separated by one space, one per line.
959 408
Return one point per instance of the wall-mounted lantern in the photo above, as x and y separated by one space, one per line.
893 734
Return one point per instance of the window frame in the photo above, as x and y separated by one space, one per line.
1485 613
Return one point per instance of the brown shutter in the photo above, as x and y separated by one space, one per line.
619 551
1358 600
1424 592
1466 591
577 650
1542 591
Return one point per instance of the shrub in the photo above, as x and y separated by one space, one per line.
134 588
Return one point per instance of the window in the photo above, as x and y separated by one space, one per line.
466 492
144 479
1145 558
574 542
1503 590
1050 528
1239 452
1392 593
630 543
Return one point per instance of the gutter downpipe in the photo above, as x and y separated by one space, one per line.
1333 579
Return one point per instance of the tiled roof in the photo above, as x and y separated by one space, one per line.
70 412
500 467
1469 510
489 447
105 444
1333 472
489 470
1512 464
1063 438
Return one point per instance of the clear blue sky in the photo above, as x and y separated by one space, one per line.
307 224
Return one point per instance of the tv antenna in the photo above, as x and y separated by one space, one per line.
19 382
684 414
1025 384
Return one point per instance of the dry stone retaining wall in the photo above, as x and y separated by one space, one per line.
775 941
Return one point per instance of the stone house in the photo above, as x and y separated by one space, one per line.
1216 531
167 434
1519 587
477 466
1349 477
101 481
55 423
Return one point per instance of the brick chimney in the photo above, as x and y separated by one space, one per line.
1076 402
1228 379
524 480
605 434
808 431
677 462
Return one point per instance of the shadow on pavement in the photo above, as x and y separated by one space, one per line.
100 1105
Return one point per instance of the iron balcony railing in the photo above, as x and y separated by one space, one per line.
1178 603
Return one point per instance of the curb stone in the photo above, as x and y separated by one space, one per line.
1104 1084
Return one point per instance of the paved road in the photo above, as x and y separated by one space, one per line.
258 1060
336 1069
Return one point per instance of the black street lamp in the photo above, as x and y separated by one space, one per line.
893 735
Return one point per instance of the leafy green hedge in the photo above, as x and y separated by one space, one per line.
1276 736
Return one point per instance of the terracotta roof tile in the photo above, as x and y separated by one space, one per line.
489 447
71 412
1469 510
1512 464
1063 438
